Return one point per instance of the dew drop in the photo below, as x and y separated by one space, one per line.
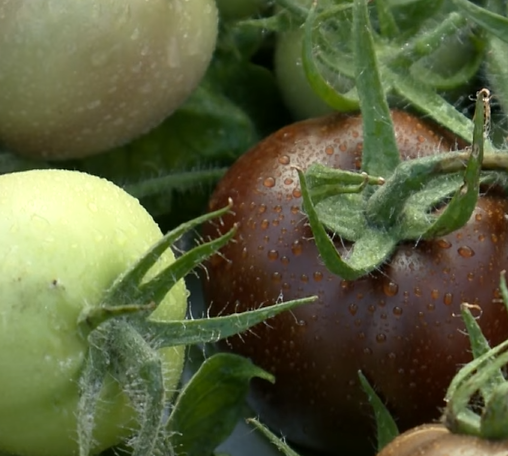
284 260
353 308
304 278
478 217
361 335
264 224
295 209
431 306
273 255
269 182
296 248
466 252
448 298
276 277
434 294
381 338
444 244
470 276
397 311
262 209
367 351
244 253
288 181
318 276
329 150
297 193
390 289
392 356
284 160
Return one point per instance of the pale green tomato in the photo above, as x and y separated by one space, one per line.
65 237
83 76
239 9
296 91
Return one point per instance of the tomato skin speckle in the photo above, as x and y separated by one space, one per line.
399 325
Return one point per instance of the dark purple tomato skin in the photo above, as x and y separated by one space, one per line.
401 325
436 440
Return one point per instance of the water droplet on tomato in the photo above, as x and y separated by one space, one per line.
417 291
296 248
269 182
434 294
390 289
273 255
264 224
297 193
262 209
284 260
470 276
318 276
397 311
288 181
381 338
304 278
478 217
444 244
277 209
353 308
244 253
329 150
284 160
431 306
466 252
392 356
367 351
276 277
448 298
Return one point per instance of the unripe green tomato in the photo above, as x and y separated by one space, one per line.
297 93
83 76
65 237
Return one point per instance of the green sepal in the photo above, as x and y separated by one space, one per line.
210 405
492 22
494 419
279 443
203 330
460 208
380 155
369 251
386 427
426 100
131 282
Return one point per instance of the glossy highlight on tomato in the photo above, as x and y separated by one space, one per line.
400 325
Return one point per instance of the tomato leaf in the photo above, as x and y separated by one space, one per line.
377 123
210 405
385 425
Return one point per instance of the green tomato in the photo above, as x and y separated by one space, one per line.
296 90
83 76
65 236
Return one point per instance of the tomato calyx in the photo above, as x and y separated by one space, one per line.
124 343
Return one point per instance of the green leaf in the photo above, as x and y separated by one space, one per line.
208 408
380 154
280 444
385 425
